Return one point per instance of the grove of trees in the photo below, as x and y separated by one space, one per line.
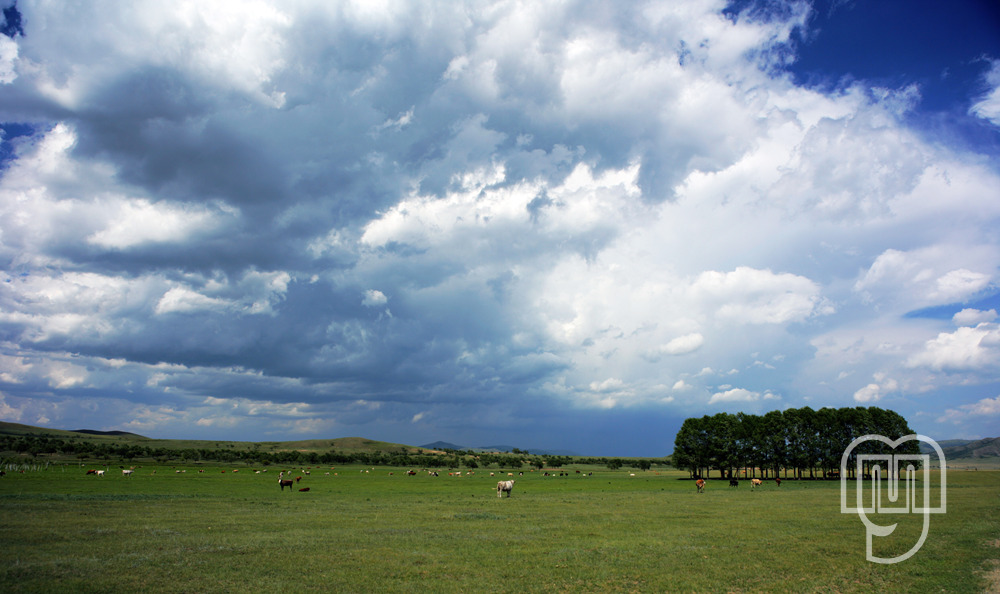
799 441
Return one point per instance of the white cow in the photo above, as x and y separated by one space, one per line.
127 472
100 473
502 486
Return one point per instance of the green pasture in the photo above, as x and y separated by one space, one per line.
215 531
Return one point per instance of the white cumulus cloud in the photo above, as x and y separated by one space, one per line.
966 348
988 106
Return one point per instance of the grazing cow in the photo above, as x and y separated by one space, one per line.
700 483
734 483
504 486
298 478
777 481
755 483
408 473
286 483
100 473
127 472
91 472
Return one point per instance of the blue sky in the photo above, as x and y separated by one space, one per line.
550 225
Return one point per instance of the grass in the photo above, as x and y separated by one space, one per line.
364 532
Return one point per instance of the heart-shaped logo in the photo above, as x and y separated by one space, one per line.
877 462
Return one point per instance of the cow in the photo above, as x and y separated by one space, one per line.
505 486
303 489
91 472
286 483
734 483
100 473
755 483
127 472
777 481
700 483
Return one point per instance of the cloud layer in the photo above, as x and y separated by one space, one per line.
475 222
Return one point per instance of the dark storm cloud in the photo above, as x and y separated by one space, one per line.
537 220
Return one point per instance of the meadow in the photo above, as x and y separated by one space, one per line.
356 531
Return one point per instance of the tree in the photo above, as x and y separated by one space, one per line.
749 441
691 446
830 436
771 436
723 452
797 437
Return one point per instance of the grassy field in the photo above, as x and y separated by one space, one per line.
216 531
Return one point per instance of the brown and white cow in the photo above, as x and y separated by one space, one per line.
504 486
700 483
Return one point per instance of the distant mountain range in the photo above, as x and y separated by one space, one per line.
444 445
956 449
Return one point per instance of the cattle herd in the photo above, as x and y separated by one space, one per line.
754 483
502 486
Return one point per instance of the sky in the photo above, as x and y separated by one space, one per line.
555 225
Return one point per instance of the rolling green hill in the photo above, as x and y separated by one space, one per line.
343 444
19 429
